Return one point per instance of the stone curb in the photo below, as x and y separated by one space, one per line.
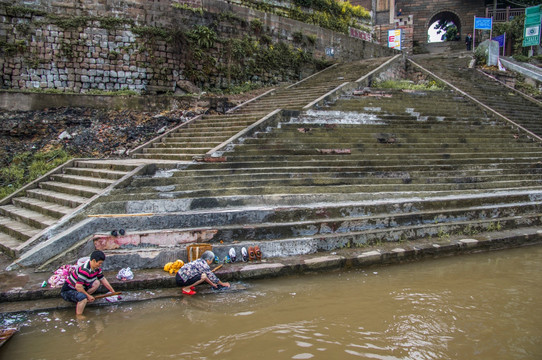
154 284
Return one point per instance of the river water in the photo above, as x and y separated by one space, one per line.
481 306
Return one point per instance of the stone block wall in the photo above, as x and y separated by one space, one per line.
115 45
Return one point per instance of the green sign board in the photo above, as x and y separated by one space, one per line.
531 29
532 10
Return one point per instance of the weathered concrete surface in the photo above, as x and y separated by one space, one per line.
525 69
22 292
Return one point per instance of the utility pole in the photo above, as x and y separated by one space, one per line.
392 11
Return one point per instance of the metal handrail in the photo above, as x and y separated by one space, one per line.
503 15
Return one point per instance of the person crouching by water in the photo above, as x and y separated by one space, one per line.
84 281
197 272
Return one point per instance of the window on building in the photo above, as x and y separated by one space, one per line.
382 5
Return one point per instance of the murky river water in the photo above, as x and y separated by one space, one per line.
483 306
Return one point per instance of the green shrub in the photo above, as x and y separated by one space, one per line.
409 85
256 25
26 167
297 36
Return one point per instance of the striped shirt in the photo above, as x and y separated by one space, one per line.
84 275
197 267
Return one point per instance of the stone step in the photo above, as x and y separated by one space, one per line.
173 150
321 181
427 122
400 134
143 202
350 161
47 208
372 132
193 145
178 192
208 132
221 125
233 115
18 231
305 148
297 179
95 173
436 158
173 157
70 189
179 138
104 164
8 245
27 216
291 143
264 172
66 200
226 118
82 180
203 128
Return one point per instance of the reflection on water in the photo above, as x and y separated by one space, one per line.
484 306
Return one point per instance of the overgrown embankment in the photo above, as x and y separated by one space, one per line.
35 142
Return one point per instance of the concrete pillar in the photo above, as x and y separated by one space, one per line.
392 11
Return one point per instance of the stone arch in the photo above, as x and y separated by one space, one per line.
445 14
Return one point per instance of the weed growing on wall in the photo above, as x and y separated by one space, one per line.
198 11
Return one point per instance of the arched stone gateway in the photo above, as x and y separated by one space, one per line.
424 13
448 16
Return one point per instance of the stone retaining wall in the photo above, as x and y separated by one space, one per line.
138 45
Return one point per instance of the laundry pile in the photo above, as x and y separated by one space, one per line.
173 267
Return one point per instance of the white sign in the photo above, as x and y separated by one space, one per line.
532 30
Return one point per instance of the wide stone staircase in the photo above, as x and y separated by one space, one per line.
517 108
378 167
203 134
389 166
59 196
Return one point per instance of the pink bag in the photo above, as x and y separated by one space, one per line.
61 275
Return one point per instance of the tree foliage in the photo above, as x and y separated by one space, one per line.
448 28
514 31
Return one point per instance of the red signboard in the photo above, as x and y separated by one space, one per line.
356 33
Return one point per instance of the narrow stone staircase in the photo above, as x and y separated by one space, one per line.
486 90
389 166
44 203
199 136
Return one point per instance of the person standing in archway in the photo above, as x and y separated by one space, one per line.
468 42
